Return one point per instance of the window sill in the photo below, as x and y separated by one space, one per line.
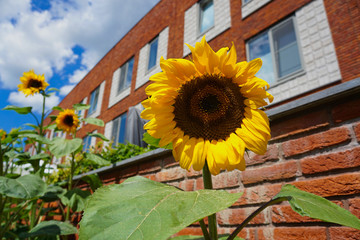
289 77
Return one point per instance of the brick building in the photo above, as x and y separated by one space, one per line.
311 55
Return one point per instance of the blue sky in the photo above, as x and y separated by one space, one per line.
62 39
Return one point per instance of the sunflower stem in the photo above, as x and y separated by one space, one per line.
212 218
257 211
204 230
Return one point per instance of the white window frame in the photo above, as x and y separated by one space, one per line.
278 80
201 4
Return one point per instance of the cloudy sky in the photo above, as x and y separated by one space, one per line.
62 39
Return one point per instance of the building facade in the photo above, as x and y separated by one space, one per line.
311 59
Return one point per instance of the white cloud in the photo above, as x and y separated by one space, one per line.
43 41
78 75
35 101
66 89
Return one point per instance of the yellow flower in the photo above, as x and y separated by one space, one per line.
2 134
208 108
67 121
32 83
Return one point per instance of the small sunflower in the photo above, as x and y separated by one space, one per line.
67 121
2 134
32 83
208 108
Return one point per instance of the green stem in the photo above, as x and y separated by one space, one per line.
204 230
38 150
249 218
212 218
70 183
11 219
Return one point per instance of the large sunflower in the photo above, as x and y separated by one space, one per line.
32 83
67 120
208 108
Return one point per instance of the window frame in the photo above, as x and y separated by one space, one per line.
149 52
200 14
117 122
93 109
126 66
278 80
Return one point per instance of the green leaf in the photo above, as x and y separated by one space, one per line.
93 180
51 228
20 110
81 106
32 125
58 108
99 135
40 156
154 141
52 117
50 126
140 208
53 89
76 199
53 193
34 136
94 121
24 187
97 159
311 205
61 147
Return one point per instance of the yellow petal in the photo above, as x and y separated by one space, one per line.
199 156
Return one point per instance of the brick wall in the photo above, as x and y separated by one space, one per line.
315 146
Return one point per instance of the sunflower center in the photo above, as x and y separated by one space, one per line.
34 83
209 103
69 120
209 107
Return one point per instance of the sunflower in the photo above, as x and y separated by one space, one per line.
67 121
208 108
32 83
2 134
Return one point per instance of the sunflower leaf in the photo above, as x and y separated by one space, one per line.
20 110
50 228
94 121
58 108
24 187
99 135
97 159
154 141
140 208
81 106
61 147
311 205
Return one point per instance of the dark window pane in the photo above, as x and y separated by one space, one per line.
130 66
121 138
93 100
153 53
286 49
259 47
206 16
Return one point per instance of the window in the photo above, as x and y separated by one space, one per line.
246 1
94 100
118 129
206 15
87 143
279 51
153 45
126 75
